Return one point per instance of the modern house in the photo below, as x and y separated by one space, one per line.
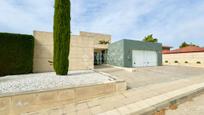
189 56
132 53
89 49
85 50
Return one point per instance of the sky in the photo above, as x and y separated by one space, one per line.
171 21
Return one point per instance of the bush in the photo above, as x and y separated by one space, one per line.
186 61
166 61
198 62
175 61
16 53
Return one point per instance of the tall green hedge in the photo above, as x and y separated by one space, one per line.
61 36
16 54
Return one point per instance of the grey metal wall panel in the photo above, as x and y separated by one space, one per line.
130 45
120 52
116 53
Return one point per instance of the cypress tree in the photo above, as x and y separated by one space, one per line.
61 36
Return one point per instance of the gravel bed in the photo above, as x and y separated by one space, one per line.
42 81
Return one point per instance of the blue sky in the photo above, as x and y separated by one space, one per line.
171 21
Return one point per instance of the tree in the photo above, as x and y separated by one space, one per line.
61 36
184 44
150 38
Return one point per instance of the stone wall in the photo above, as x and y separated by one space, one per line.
81 50
184 59
97 37
30 102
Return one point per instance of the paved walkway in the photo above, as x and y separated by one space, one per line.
110 102
152 75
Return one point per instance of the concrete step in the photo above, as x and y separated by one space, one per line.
158 103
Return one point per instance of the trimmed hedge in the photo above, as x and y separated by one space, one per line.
16 53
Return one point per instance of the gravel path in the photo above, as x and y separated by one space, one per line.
42 81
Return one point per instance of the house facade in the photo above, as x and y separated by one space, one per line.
89 49
187 56
85 50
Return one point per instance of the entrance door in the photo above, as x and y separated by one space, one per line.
142 58
100 57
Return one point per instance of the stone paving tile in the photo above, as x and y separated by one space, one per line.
113 112
123 110
118 100
69 108
55 111
153 75
81 106
164 98
96 110
94 102
72 113
84 112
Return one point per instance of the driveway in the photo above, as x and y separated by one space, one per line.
152 75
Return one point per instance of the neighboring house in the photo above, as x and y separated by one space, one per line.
132 53
166 49
190 56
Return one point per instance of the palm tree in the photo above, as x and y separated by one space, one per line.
150 38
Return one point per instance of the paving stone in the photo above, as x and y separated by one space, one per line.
81 106
84 112
96 110
123 110
69 108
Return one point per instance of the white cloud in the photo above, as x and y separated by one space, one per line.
26 15
171 21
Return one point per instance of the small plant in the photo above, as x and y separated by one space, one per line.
198 62
173 105
104 42
186 61
166 61
175 61
50 62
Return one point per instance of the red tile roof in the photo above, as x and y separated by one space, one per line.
187 49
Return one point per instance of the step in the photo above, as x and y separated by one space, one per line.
156 103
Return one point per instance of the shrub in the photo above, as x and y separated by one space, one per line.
104 42
61 36
166 61
186 61
175 61
16 53
198 62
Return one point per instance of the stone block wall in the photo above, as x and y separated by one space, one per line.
97 37
81 52
30 102
195 59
